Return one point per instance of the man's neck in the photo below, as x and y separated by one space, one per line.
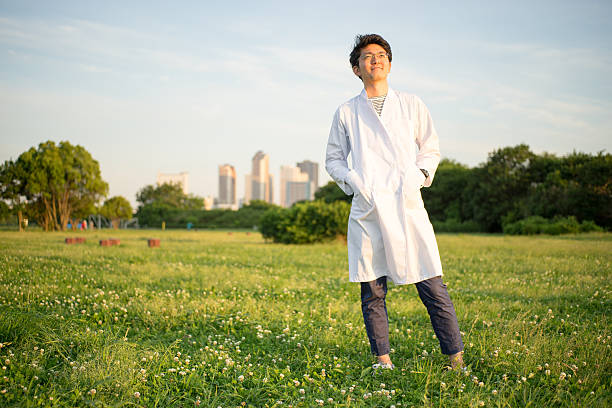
379 88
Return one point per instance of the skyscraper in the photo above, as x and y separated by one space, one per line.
312 169
259 182
294 186
181 179
227 187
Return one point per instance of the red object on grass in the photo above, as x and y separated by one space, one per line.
154 243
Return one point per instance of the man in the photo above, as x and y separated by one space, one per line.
394 151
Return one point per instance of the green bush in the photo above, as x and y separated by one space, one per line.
306 222
455 225
540 225
152 215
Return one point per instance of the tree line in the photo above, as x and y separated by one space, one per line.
513 191
168 204
516 187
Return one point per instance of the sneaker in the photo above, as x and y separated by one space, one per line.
380 366
456 362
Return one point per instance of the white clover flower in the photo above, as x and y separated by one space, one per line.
241 378
137 394
302 391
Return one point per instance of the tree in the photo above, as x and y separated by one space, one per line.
156 203
578 185
168 196
12 188
495 188
116 208
445 198
331 192
5 211
57 181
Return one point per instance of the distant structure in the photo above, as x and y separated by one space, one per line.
295 185
312 169
209 202
181 179
227 187
258 184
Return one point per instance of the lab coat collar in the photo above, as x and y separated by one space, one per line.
390 105
364 94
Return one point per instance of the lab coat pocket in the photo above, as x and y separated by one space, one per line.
413 200
360 207
358 187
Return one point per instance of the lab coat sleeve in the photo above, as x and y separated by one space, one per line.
428 157
338 149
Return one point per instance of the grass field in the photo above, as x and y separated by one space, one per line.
218 319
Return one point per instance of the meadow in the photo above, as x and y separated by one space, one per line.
220 319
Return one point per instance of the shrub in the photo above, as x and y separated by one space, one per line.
540 225
306 222
455 225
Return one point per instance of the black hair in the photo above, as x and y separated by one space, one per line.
363 40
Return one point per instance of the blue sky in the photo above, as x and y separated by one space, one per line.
185 86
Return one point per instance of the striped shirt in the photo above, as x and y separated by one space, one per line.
378 102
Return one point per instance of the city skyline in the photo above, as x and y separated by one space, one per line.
145 88
296 183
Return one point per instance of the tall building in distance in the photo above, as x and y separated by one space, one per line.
181 179
295 185
227 187
258 184
209 203
312 169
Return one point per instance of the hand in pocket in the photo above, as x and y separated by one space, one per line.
358 187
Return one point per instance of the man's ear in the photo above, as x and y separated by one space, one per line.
356 71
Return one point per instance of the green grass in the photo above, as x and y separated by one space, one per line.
218 319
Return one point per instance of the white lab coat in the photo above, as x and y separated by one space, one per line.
389 233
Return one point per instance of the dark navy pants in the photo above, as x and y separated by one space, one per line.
434 296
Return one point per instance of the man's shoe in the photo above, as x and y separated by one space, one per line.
456 361
381 366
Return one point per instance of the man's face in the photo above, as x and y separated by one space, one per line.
374 64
